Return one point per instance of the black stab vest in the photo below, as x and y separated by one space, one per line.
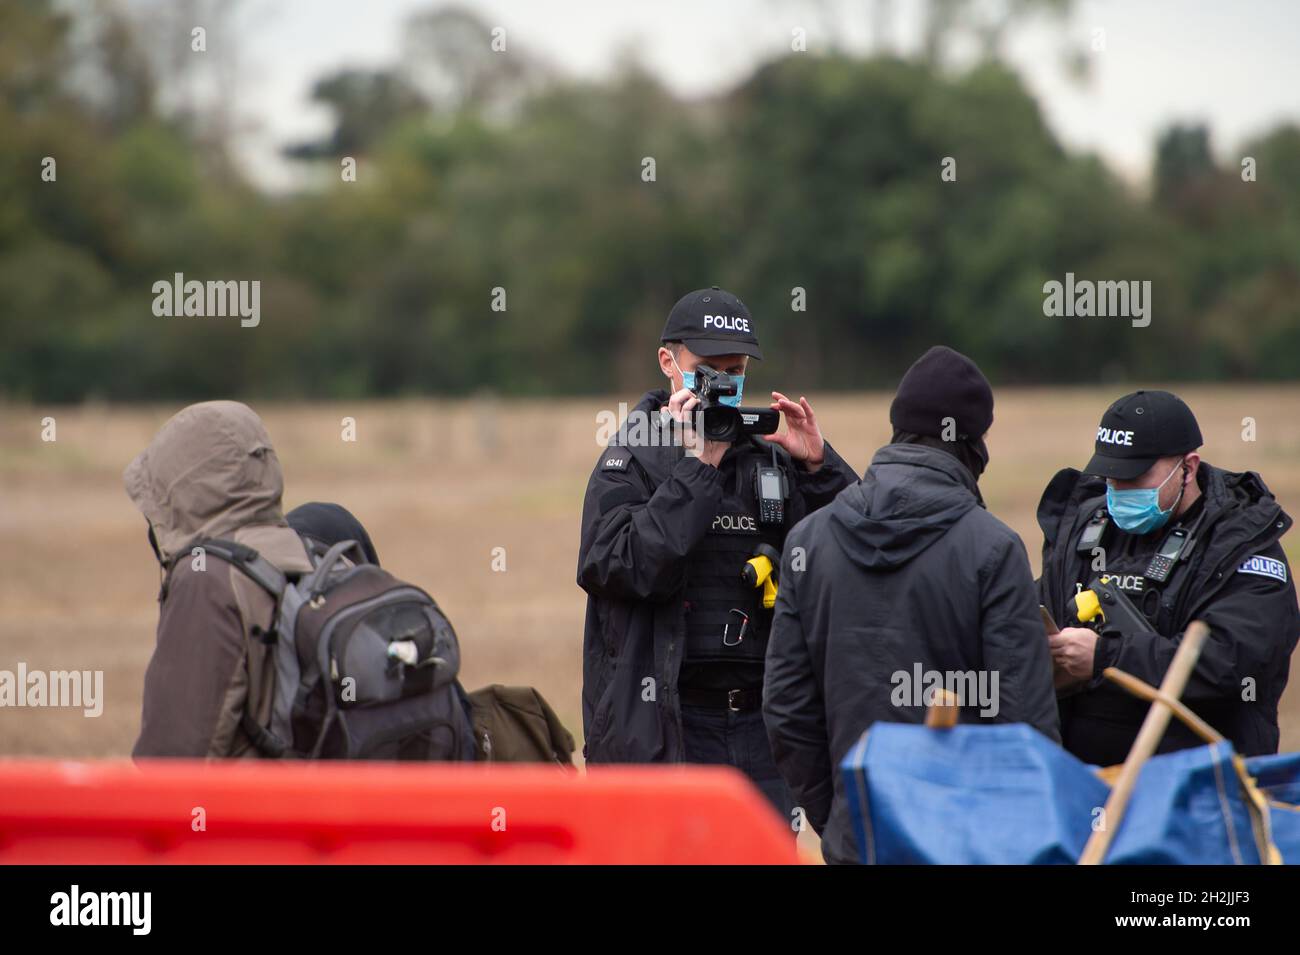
714 587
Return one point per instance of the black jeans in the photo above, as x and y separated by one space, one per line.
722 736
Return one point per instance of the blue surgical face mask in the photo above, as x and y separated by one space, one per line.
688 381
1137 511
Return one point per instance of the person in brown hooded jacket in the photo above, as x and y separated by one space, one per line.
210 472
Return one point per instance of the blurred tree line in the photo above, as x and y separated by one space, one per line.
479 170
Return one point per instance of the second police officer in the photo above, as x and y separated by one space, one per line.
1184 541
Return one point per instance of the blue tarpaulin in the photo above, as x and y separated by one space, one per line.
1187 808
1007 794
1278 778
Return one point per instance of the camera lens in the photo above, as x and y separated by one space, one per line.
721 423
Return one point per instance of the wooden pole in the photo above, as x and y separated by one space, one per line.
1148 738
943 710
1149 693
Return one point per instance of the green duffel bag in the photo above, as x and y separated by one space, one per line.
514 724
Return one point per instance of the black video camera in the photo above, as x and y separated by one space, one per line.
719 422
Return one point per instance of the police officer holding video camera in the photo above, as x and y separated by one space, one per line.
683 523
1183 541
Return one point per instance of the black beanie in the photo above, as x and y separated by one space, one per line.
941 384
328 524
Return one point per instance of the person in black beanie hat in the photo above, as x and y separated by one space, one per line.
903 583
944 401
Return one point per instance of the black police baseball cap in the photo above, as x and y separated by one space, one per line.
1140 429
711 321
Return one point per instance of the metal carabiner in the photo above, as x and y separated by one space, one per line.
744 625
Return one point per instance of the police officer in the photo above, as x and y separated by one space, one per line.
674 640
1185 541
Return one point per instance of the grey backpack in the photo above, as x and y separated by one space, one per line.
365 664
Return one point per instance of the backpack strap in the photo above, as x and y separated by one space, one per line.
314 585
271 579
266 742
262 572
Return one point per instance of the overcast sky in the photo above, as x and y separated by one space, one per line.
1235 65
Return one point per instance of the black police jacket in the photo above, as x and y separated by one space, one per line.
1236 580
905 571
648 505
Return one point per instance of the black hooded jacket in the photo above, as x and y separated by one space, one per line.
1249 605
906 570
648 505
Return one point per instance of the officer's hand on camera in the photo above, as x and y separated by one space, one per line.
681 405
803 438
1072 652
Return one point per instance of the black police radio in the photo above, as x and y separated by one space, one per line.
1178 545
771 489
1092 534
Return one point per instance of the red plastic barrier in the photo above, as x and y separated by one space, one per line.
250 812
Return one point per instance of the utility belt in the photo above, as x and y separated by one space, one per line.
738 701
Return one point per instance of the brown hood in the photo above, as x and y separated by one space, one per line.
209 471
